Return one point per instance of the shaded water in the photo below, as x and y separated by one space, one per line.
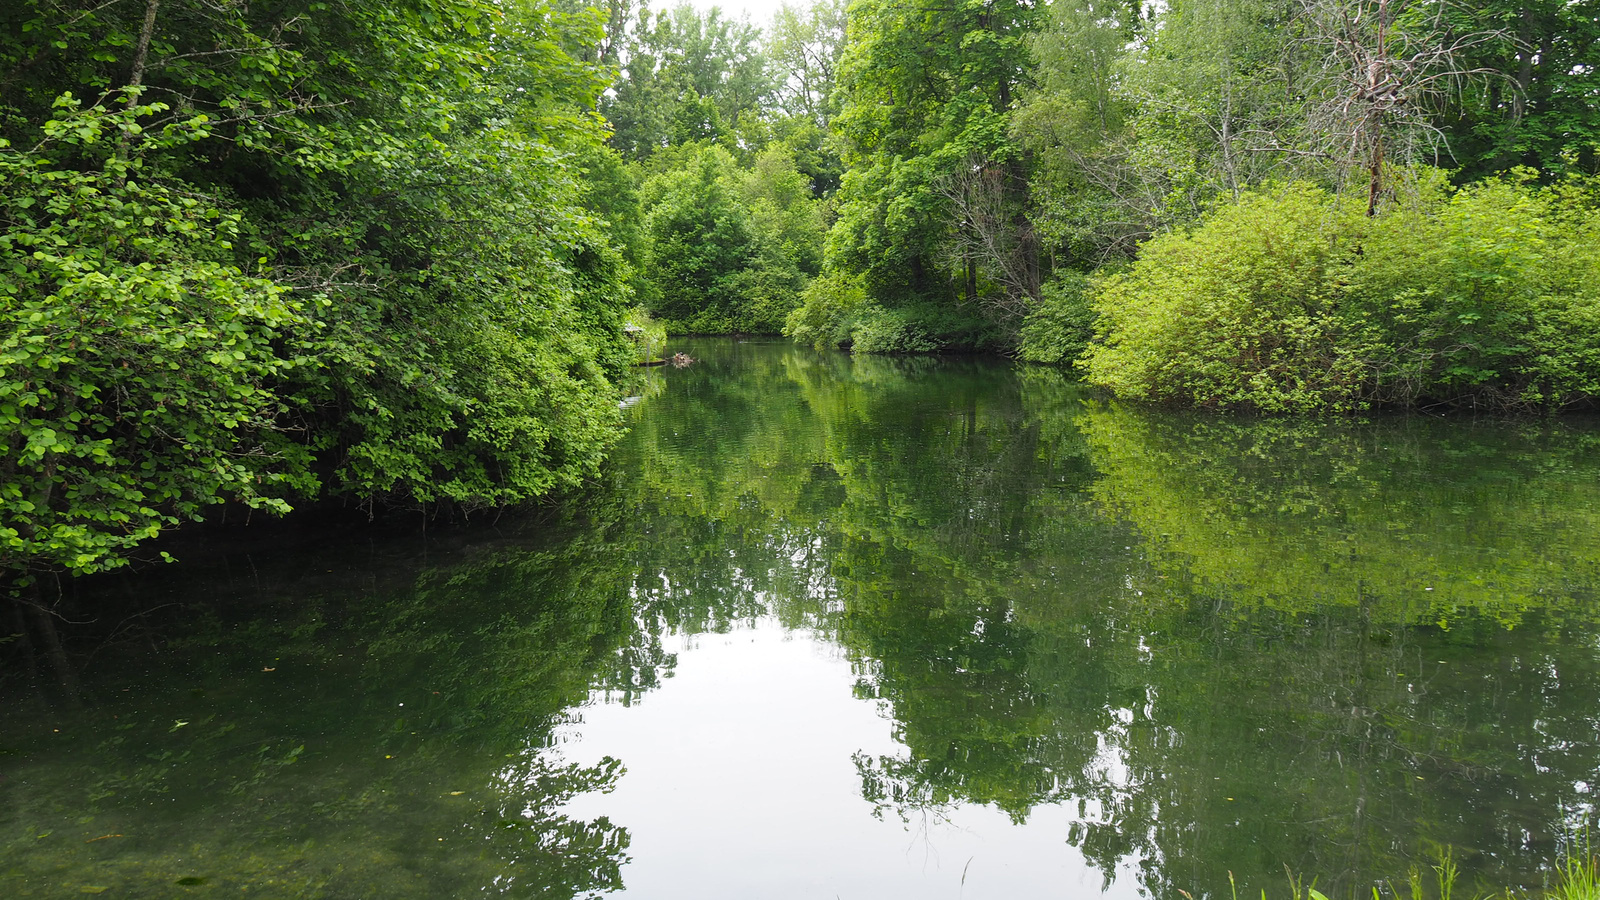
852 628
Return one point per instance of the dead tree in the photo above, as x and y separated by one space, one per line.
1381 69
993 236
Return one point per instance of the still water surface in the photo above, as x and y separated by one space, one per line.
855 628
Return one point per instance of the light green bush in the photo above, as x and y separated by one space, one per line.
1241 312
1293 300
1485 295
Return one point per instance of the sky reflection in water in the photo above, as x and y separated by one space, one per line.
856 627
765 712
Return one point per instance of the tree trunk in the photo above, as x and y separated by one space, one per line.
142 53
1375 170
1525 54
1376 82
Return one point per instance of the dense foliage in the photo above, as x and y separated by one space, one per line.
265 253
269 253
1296 300
933 185
1365 280
724 131
1003 162
729 247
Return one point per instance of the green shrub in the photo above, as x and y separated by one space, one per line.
1294 300
879 330
835 312
137 362
828 310
1486 295
1058 330
1241 312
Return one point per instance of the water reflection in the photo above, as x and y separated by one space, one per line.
741 783
824 608
1222 644
1412 518
349 724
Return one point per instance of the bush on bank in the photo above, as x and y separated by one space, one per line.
1059 329
1292 299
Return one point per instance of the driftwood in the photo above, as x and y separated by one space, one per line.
676 360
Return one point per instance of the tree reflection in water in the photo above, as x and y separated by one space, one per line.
1212 641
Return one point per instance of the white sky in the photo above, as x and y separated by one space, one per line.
759 11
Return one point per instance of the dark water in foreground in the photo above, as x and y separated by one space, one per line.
870 628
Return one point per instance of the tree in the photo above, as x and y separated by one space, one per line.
272 253
805 45
139 362
700 242
688 76
730 248
1092 199
1541 111
1385 69
926 89
993 238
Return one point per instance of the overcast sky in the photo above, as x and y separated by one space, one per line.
759 11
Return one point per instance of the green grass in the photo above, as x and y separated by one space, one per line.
1577 877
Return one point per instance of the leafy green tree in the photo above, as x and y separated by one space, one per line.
688 76
138 361
805 45
1540 111
926 90
779 198
1092 201
255 253
730 249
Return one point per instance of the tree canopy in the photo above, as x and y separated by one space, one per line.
272 253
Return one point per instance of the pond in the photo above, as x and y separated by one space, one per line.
854 628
